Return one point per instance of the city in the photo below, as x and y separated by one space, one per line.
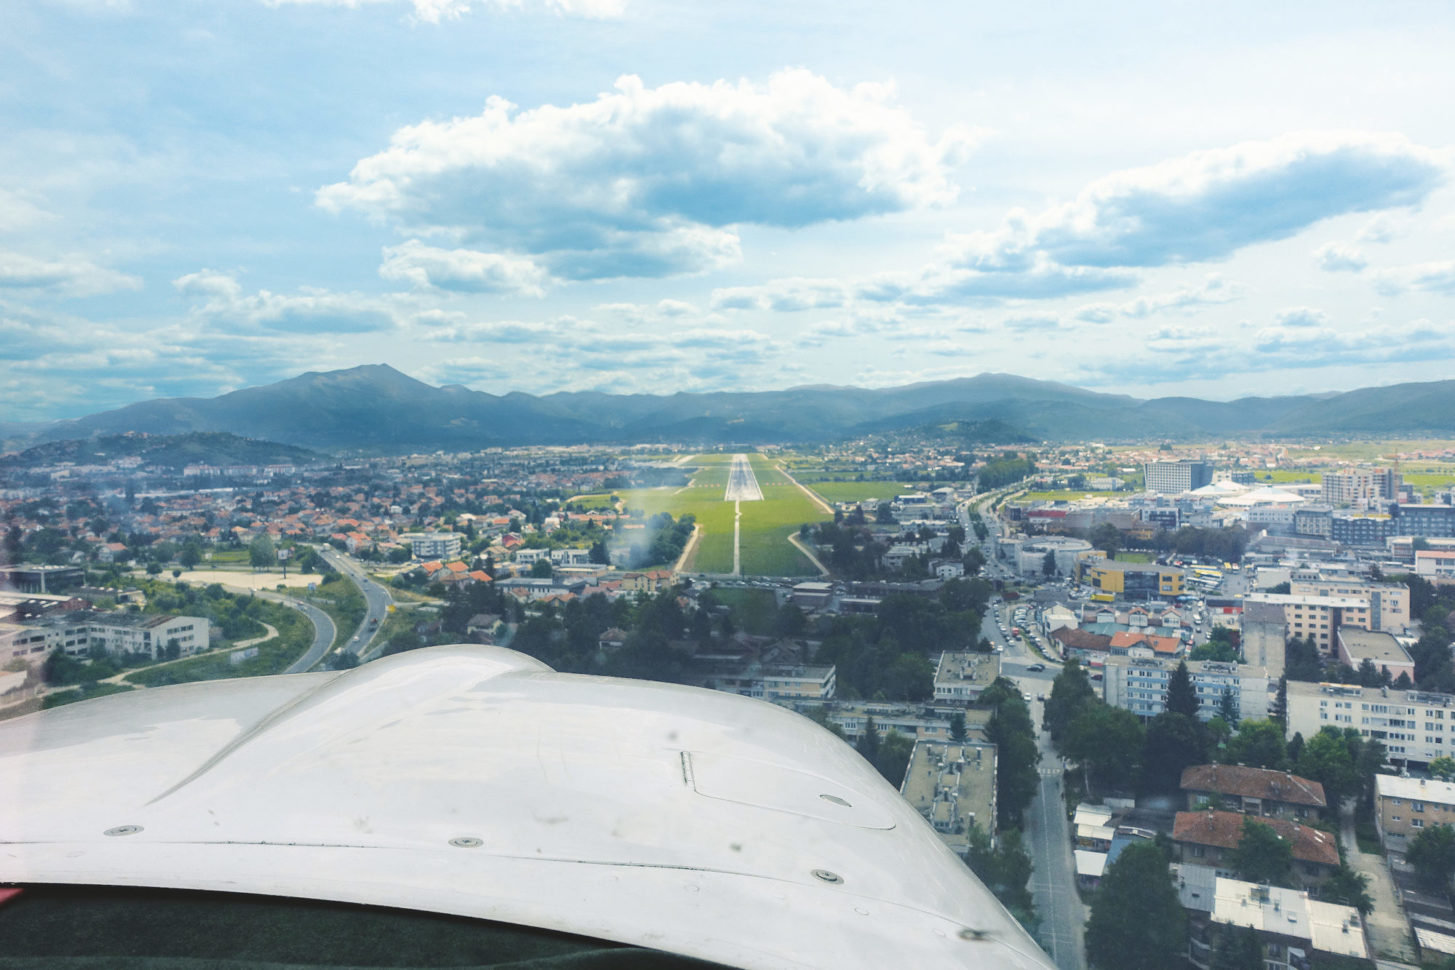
620 484
1053 655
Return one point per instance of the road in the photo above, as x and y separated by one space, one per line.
323 633
376 600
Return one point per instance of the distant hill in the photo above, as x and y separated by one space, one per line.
169 451
376 409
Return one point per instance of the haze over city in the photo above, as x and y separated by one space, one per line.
630 196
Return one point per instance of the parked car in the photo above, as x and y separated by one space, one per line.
1036 668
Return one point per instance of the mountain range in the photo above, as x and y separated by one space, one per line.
376 409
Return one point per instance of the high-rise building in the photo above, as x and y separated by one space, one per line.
1361 488
1175 477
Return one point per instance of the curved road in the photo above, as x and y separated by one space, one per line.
323 633
376 600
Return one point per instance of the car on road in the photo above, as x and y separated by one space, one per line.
1036 668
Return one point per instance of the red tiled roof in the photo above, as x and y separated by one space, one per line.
1224 830
1264 783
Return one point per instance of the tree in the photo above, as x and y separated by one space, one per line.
1181 695
1432 854
1107 742
261 552
868 745
542 569
1174 742
1236 948
1278 710
957 726
1228 706
1005 870
1258 744
1262 855
1048 564
1011 731
1443 767
1348 888
1136 920
1326 759
1071 692
893 757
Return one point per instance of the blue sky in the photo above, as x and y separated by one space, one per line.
633 196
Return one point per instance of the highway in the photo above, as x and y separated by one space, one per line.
323 633
376 600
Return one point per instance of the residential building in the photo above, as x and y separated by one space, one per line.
78 632
1430 521
1414 726
778 683
1175 477
434 545
1360 488
1317 616
1404 806
961 677
1389 603
1291 927
1435 565
1354 646
1139 685
1314 520
953 787
1366 531
1253 791
1210 837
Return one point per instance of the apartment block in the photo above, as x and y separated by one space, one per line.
1139 685
1317 616
1389 603
1361 488
434 545
1414 726
1404 806
961 677
78 632
953 787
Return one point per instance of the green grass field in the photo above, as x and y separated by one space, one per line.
754 609
1069 495
857 491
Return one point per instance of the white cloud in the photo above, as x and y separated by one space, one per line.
1209 204
651 181
207 282
310 311
65 276
784 295
1339 258
435 11
18 213
1432 277
463 270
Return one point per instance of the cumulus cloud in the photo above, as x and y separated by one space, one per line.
1339 258
461 270
1433 277
652 181
310 311
435 11
1212 291
1301 317
1033 322
65 276
784 295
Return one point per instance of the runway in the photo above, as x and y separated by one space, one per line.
742 484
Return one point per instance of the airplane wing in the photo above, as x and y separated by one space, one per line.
477 782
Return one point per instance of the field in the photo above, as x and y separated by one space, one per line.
857 491
754 609
1070 495
766 525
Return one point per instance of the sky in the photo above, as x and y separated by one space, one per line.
1159 198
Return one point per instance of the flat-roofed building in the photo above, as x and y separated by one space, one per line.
911 720
1381 649
811 596
434 545
1415 727
1389 603
1132 580
1360 488
78 632
1139 685
953 786
1176 477
1291 927
1405 806
1264 630
1317 616
961 676
1435 565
